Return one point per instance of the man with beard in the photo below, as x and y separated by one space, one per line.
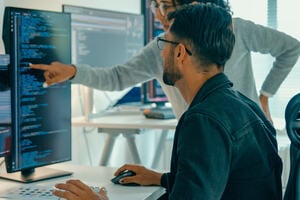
224 146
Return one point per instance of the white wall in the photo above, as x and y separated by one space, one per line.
56 5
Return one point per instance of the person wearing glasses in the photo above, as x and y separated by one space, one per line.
147 64
217 152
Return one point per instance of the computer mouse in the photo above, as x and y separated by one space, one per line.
123 174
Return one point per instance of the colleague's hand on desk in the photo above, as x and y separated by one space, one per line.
56 72
77 190
143 176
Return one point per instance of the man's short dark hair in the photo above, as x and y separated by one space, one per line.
206 29
222 3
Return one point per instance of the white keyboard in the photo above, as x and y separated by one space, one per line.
33 192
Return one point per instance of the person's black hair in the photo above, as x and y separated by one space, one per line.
207 31
222 3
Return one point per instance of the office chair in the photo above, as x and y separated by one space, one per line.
292 118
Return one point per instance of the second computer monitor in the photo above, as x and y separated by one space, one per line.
103 38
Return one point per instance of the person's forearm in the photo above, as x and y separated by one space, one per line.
264 101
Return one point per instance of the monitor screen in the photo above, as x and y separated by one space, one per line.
103 38
41 117
5 106
152 91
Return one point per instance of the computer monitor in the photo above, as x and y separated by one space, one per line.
5 106
104 38
152 92
40 117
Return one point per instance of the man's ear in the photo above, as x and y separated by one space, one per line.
180 51
179 54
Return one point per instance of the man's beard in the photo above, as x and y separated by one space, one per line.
171 73
171 78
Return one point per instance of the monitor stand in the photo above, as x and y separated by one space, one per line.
36 174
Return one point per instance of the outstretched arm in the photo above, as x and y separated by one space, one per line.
56 72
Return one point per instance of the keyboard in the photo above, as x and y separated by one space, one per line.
33 192
159 113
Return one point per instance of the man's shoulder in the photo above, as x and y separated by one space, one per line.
223 106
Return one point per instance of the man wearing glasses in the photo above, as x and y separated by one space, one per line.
217 153
147 65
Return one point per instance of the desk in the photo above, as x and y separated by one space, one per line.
128 123
94 176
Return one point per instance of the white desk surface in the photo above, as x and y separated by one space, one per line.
125 120
136 120
94 176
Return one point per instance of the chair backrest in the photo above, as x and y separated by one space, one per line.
292 118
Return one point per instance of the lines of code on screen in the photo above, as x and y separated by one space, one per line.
104 38
42 116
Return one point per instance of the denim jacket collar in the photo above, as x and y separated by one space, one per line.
214 83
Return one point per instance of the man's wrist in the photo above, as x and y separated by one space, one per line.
264 93
156 178
74 71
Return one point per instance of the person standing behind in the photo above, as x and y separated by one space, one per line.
146 65
224 146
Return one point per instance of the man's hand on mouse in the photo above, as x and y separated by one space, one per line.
143 176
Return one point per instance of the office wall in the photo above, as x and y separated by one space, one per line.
56 5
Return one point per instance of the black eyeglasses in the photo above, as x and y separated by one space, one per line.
160 44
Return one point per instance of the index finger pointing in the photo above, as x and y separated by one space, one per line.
39 66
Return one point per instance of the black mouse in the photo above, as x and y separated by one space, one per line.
123 174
